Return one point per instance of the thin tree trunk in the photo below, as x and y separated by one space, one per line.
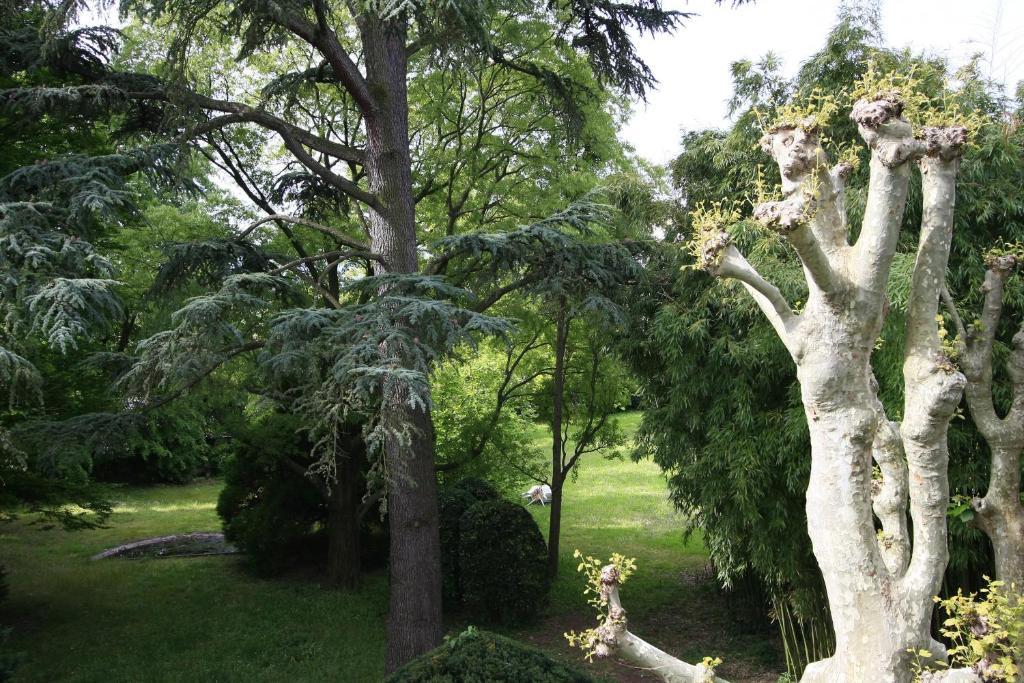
343 566
554 525
414 620
557 454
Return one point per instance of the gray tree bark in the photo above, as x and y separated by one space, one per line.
879 585
414 617
999 513
558 472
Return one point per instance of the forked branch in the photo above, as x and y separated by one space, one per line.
892 144
934 385
728 262
341 237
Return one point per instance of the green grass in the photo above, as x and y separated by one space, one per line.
672 600
204 619
618 506
190 619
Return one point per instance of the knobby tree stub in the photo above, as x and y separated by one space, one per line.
612 636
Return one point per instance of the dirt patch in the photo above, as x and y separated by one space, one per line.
197 544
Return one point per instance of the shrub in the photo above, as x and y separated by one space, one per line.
270 513
481 489
476 656
172 445
986 630
502 563
452 502
275 514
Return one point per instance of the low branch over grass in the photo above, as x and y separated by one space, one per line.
613 637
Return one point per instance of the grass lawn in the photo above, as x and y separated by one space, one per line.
622 506
203 619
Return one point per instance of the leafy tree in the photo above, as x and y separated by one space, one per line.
394 322
66 188
279 516
586 387
483 417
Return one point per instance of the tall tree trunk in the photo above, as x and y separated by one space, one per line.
414 619
557 448
343 549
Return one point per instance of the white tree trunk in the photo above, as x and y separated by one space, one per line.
612 637
879 587
999 513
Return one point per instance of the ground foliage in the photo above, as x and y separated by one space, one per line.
475 656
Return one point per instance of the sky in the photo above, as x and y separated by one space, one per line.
692 66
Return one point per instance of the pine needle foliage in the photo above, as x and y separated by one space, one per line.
65 190
58 288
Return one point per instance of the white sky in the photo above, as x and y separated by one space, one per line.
692 66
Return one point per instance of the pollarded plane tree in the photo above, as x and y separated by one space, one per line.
880 584
1000 512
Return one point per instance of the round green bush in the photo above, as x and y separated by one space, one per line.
452 503
481 489
502 563
476 656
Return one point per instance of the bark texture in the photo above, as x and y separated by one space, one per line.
999 513
558 471
343 521
879 585
414 617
